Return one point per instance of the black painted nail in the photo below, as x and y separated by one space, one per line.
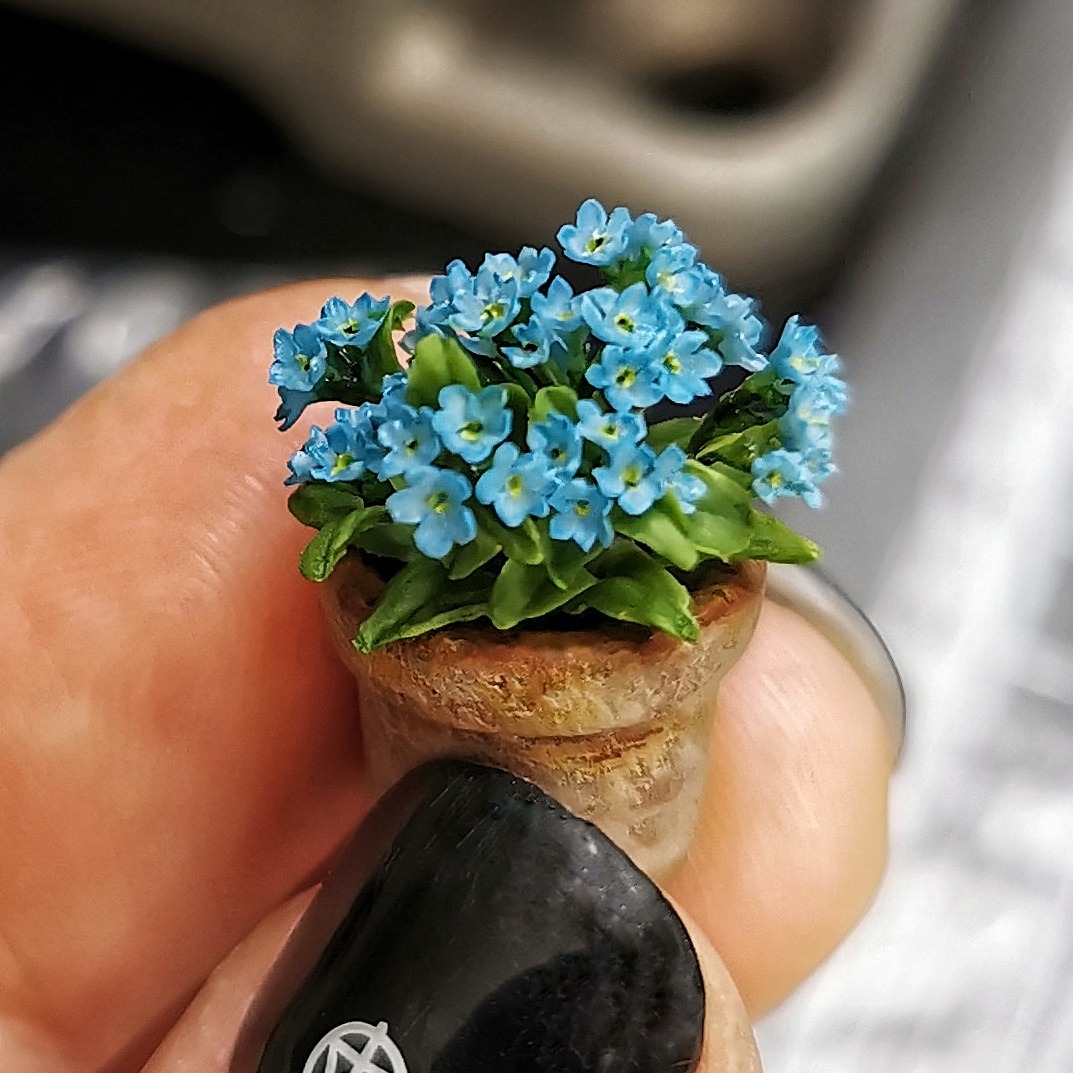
476 926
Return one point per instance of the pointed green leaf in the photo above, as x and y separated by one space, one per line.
437 362
741 449
462 561
319 503
678 430
562 400
390 540
719 524
562 558
640 590
522 543
420 598
770 539
660 529
380 359
325 550
522 592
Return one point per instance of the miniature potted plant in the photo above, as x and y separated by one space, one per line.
520 566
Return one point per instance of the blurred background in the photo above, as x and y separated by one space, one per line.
901 170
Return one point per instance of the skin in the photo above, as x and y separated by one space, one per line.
179 754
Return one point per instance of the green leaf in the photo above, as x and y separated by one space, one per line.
770 539
659 528
562 400
324 551
755 401
741 449
563 558
380 359
719 525
633 587
518 404
521 544
437 362
522 592
678 430
389 539
319 503
420 598
461 562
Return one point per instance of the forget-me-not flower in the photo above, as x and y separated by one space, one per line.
631 478
781 473
734 318
335 452
608 430
484 308
629 378
532 344
300 358
807 421
684 364
434 500
409 440
672 273
557 439
469 424
581 511
517 485
648 233
799 355
687 487
633 319
595 238
291 406
557 310
352 325
530 271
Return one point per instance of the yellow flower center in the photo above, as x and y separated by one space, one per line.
439 502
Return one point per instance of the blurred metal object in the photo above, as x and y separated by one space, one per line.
757 124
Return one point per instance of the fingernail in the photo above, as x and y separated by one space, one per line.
474 925
807 591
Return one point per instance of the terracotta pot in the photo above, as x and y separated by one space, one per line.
614 722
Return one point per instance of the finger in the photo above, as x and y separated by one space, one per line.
178 745
792 838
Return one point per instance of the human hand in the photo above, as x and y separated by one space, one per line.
179 753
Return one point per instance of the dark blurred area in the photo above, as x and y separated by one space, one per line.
113 148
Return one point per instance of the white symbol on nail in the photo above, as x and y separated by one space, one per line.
356 1048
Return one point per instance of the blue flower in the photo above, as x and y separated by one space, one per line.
673 274
581 511
818 464
486 307
352 325
410 441
781 473
631 478
557 310
633 318
799 355
364 422
471 425
393 394
684 365
334 454
596 238
530 271
648 233
517 485
807 421
533 344
300 359
608 430
291 406
557 439
831 392
434 501
301 466
687 487
733 318
629 378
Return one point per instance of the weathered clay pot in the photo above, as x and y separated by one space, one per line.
614 722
